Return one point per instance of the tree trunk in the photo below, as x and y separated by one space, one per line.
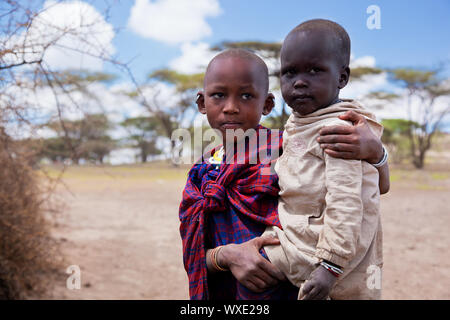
419 160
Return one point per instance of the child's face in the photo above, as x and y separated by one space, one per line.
235 95
311 75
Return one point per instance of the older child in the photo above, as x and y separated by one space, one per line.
227 206
328 207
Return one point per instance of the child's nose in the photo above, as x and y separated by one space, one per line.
300 82
231 107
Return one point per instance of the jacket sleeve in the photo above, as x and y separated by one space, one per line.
343 211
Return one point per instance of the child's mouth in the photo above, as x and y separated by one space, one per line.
302 98
231 125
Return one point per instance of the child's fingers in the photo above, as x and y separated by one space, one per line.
271 270
258 283
263 280
343 147
340 154
336 130
307 287
265 241
251 286
338 138
322 295
352 116
311 294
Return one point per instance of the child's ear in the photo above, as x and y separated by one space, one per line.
344 77
200 101
268 104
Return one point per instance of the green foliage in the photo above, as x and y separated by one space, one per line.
383 95
413 78
427 87
359 72
143 132
183 82
86 138
396 138
84 76
267 49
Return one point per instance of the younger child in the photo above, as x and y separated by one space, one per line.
328 207
226 205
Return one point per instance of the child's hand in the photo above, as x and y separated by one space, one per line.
356 142
319 284
248 266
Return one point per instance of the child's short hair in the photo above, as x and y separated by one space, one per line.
340 36
244 54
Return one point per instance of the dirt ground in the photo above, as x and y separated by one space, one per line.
120 226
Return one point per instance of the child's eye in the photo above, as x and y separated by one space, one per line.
246 96
217 95
314 70
289 72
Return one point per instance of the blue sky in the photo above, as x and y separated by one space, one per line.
154 34
412 34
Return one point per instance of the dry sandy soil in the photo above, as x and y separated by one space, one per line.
120 226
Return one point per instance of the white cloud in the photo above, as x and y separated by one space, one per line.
43 107
365 61
194 58
173 21
75 35
357 89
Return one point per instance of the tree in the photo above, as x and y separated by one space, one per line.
424 89
170 116
395 137
87 138
143 133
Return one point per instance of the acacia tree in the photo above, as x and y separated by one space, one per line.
87 137
142 132
427 105
170 115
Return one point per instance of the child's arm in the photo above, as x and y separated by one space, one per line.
384 183
343 213
342 222
356 142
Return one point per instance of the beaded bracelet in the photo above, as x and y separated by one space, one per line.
334 270
383 160
214 253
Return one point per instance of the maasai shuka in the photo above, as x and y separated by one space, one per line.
232 203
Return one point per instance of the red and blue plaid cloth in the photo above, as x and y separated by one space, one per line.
230 203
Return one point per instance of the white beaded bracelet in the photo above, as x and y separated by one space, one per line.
383 160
